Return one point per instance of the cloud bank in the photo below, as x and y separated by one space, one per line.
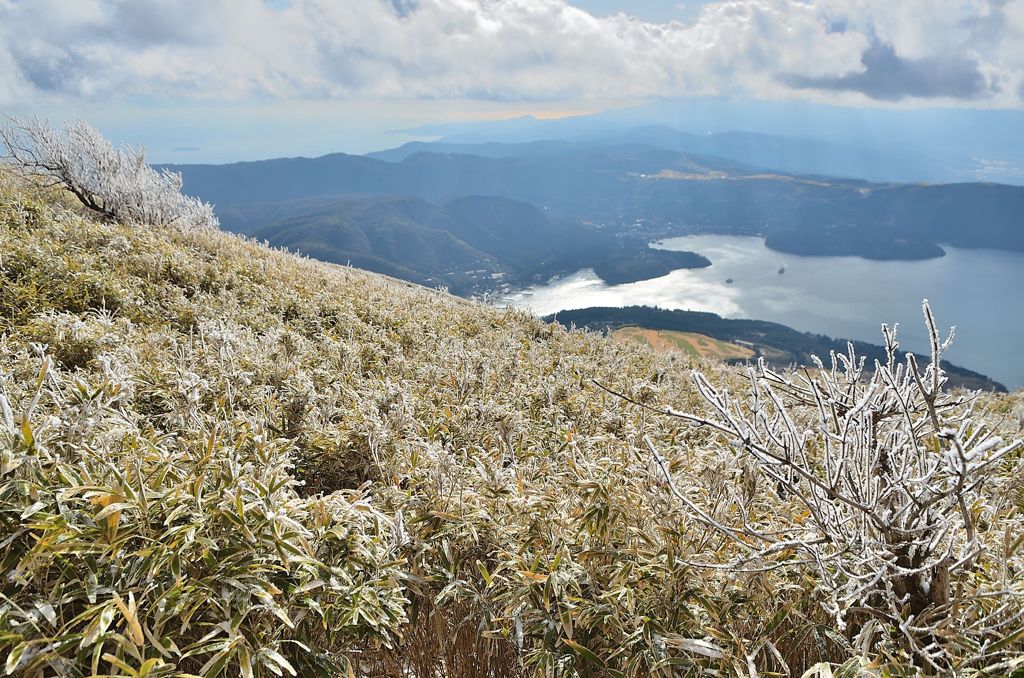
890 77
949 51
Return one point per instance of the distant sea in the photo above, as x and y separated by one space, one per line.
979 291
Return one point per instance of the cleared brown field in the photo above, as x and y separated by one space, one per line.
688 342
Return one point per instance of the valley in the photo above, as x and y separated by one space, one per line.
467 244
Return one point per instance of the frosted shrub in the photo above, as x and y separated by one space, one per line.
888 484
117 182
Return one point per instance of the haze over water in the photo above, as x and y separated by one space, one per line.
977 290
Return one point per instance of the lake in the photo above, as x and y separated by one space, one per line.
979 291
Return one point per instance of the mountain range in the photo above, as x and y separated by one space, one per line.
598 195
942 145
779 153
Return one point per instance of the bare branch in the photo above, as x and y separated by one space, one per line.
117 182
887 470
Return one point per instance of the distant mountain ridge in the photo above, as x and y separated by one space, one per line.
941 145
782 154
671 192
434 176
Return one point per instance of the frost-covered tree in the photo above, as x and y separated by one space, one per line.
117 182
886 484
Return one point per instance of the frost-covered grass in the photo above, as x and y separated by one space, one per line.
218 457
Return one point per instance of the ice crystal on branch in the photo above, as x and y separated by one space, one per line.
117 182
889 477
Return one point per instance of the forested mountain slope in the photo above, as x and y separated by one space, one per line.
466 243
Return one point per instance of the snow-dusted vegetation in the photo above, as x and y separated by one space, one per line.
116 182
890 478
220 459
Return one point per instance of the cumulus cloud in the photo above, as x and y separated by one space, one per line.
506 49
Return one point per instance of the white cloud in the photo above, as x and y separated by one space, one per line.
218 50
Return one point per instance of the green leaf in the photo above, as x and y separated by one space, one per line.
46 609
110 509
216 663
245 662
584 652
484 573
114 661
278 659
698 646
1007 641
33 509
776 620
26 433
98 626
148 666
14 658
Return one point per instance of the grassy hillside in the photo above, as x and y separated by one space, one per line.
221 459
687 342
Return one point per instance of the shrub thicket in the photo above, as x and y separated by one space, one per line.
216 457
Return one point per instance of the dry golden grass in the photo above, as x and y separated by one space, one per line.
698 345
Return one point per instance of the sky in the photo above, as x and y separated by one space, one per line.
216 80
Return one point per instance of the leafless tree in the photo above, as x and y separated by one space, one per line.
889 475
117 182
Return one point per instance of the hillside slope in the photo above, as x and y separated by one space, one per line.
470 244
221 459
401 237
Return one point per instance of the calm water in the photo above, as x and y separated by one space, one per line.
979 291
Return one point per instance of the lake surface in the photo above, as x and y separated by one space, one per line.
979 291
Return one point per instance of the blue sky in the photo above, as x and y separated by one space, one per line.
648 10
252 78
